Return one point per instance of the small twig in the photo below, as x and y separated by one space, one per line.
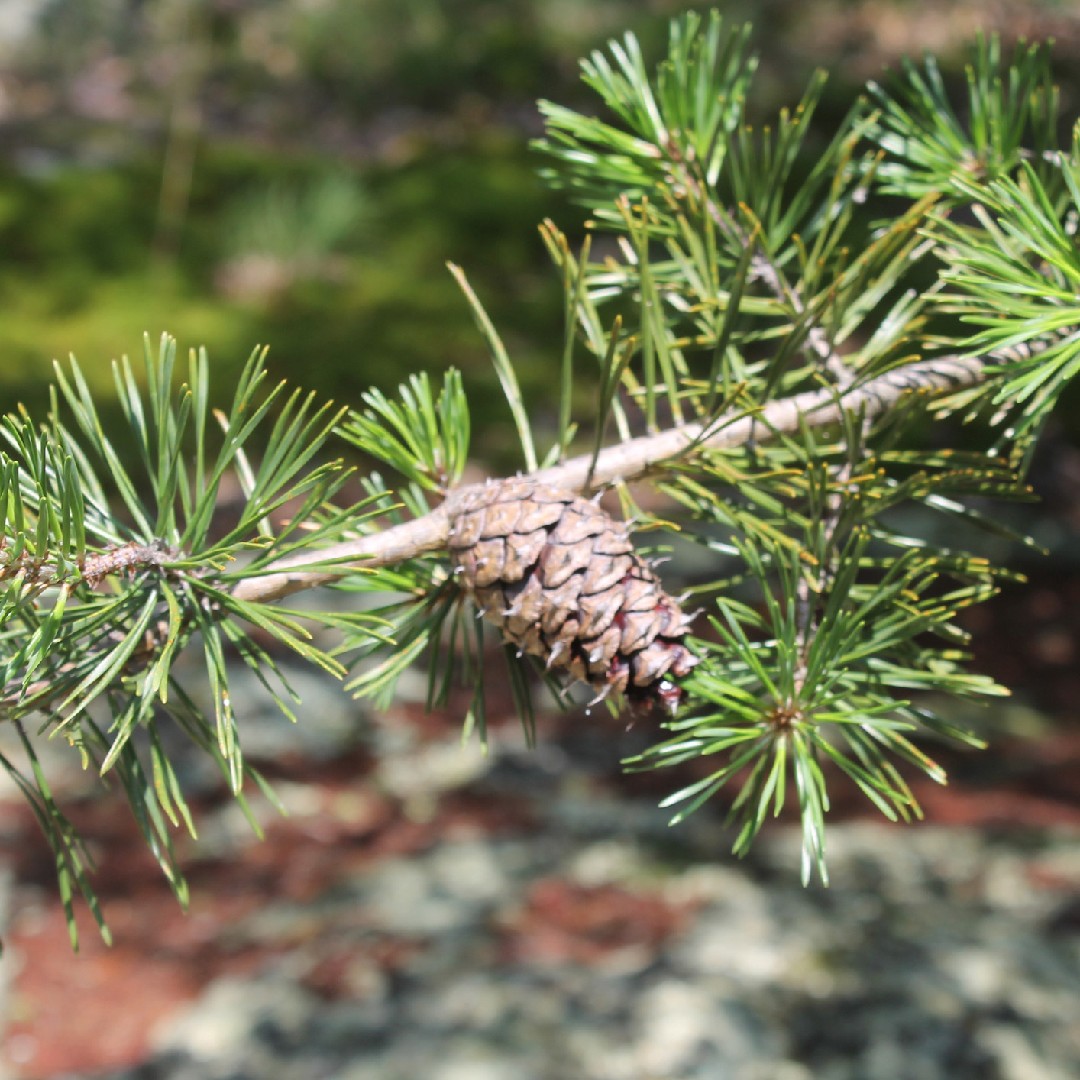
42 571
763 268
766 270
808 606
126 559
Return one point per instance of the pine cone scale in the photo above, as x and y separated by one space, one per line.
558 561
522 552
488 562
638 632
574 526
539 516
602 577
597 614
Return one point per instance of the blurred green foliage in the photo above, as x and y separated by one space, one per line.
361 295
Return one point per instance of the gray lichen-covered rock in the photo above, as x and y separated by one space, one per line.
935 955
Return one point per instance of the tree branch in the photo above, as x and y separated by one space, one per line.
628 461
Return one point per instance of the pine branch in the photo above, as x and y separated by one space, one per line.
626 462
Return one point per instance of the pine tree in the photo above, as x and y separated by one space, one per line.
773 328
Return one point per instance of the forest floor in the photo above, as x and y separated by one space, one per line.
426 909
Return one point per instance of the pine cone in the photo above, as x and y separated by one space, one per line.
562 581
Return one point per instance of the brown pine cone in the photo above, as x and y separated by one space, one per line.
562 581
